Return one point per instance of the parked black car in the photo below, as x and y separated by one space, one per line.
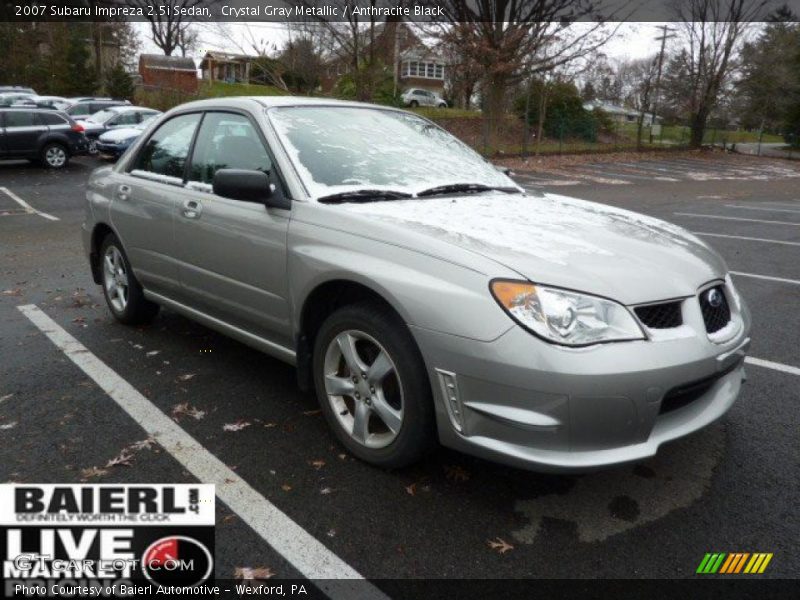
86 108
41 135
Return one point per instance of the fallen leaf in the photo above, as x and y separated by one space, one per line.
6 397
286 487
92 472
411 489
500 545
270 425
153 352
325 491
331 533
14 292
456 473
10 425
317 464
237 426
185 376
342 456
229 519
142 445
183 409
122 459
310 413
250 573
79 320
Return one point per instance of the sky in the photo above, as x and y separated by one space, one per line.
633 40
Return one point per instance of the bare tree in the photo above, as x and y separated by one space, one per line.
248 39
637 79
168 26
511 39
712 30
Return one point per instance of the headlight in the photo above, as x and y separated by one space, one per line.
563 317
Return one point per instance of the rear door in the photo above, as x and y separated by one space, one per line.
233 253
2 133
23 131
145 199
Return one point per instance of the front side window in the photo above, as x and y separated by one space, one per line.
19 118
128 118
227 141
336 149
166 151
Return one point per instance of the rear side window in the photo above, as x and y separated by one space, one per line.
166 151
227 141
51 119
19 118
128 118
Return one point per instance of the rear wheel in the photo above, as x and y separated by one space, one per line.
123 293
413 104
373 387
55 156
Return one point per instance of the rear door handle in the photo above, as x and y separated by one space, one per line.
124 192
192 209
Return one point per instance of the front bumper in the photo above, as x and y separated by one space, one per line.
521 401
110 150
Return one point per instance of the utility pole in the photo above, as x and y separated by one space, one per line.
666 33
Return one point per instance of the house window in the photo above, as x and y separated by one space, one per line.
425 70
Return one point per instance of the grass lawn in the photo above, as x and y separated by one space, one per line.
216 89
679 134
430 112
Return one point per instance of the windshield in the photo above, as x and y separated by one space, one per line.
102 116
336 149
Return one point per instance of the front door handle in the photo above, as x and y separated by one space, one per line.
124 192
192 209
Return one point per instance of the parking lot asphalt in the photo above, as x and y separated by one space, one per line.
731 487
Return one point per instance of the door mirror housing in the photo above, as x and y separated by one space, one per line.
249 186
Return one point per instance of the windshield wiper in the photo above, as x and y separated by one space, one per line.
465 188
363 196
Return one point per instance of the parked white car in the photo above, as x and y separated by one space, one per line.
417 97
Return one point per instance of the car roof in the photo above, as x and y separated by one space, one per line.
275 101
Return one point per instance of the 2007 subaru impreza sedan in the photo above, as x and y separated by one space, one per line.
418 289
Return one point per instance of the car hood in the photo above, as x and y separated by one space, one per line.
118 135
564 242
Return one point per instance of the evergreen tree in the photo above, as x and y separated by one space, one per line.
119 84
80 77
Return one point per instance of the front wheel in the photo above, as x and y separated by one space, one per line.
413 104
373 387
123 293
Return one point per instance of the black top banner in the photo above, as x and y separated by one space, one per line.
361 11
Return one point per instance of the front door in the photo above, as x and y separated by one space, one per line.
232 254
144 202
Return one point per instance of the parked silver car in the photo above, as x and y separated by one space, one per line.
417 288
417 97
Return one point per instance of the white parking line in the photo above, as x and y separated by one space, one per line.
768 364
306 554
769 209
28 208
738 219
744 237
766 277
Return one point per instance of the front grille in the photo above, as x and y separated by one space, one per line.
661 316
686 394
715 317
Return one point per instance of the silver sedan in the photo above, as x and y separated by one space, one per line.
420 292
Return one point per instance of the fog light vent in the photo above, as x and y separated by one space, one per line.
449 385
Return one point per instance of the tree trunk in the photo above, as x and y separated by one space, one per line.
494 109
697 125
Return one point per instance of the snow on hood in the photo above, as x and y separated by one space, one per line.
563 241
119 135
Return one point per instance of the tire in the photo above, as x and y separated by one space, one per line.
92 149
413 104
400 422
54 156
122 291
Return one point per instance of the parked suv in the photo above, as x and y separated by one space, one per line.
86 108
419 290
417 97
40 135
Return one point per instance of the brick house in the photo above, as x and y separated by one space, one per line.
168 72
414 63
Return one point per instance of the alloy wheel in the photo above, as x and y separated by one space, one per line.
364 388
115 279
55 156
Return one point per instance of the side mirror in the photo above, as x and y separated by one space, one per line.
248 186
